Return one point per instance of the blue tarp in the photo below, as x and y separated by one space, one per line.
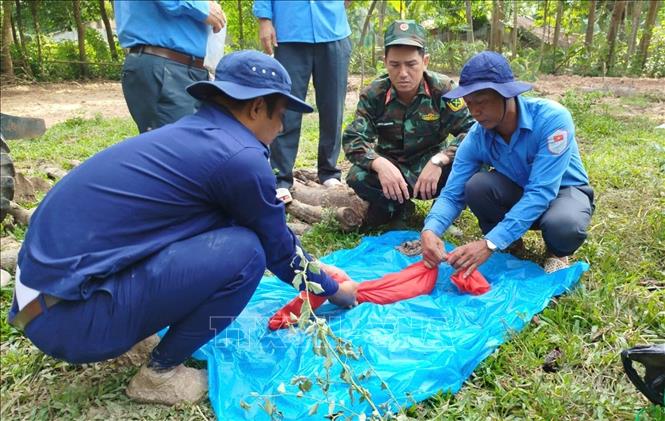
418 346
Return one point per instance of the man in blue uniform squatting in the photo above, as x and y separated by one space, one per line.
174 227
536 179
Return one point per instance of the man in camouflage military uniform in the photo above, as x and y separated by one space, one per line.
398 143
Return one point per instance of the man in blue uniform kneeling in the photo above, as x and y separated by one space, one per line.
536 179
174 227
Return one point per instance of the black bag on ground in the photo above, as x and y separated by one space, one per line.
652 357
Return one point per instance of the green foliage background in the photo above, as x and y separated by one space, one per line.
445 19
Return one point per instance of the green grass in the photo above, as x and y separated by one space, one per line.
618 304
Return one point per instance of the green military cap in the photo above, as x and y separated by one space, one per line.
405 32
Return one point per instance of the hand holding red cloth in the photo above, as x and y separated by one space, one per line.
410 282
475 283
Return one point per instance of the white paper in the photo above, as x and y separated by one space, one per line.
214 50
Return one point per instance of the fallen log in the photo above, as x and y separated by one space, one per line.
21 216
312 202
317 195
348 218
298 228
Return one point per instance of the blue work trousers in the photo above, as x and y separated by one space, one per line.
154 89
196 286
328 64
490 195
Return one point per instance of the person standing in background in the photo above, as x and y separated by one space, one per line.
310 39
167 42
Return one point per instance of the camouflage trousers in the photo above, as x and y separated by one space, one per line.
366 184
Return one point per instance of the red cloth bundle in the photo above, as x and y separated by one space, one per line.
475 283
410 282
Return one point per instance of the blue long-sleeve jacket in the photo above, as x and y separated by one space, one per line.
174 24
131 200
542 156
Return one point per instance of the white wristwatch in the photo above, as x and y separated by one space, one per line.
490 245
436 160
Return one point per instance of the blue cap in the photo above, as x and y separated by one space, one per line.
487 70
249 74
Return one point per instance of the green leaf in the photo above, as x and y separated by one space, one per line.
306 385
331 407
313 409
297 281
346 376
315 287
328 362
244 405
268 406
314 267
281 388
304 317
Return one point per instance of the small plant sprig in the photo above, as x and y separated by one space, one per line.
326 344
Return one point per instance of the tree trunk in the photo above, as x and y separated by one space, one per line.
80 30
241 36
13 24
514 33
7 65
544 37
23 49
382 17
469 21
637 13
366 23
19 25
109 31
557 31
34 5
654 5
496 36
619 7
591 22
361 42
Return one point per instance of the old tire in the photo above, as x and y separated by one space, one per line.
6 179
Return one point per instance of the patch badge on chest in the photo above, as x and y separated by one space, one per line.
430 117
557 142
456 104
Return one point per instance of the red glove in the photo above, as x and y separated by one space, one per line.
475 283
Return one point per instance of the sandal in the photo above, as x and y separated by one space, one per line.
552 264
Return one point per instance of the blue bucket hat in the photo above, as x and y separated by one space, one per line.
249 74
488 70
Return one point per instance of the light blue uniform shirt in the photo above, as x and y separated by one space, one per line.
542 156
176 25
305 21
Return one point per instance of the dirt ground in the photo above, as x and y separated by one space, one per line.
57 102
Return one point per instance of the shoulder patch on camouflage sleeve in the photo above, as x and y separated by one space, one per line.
456 104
